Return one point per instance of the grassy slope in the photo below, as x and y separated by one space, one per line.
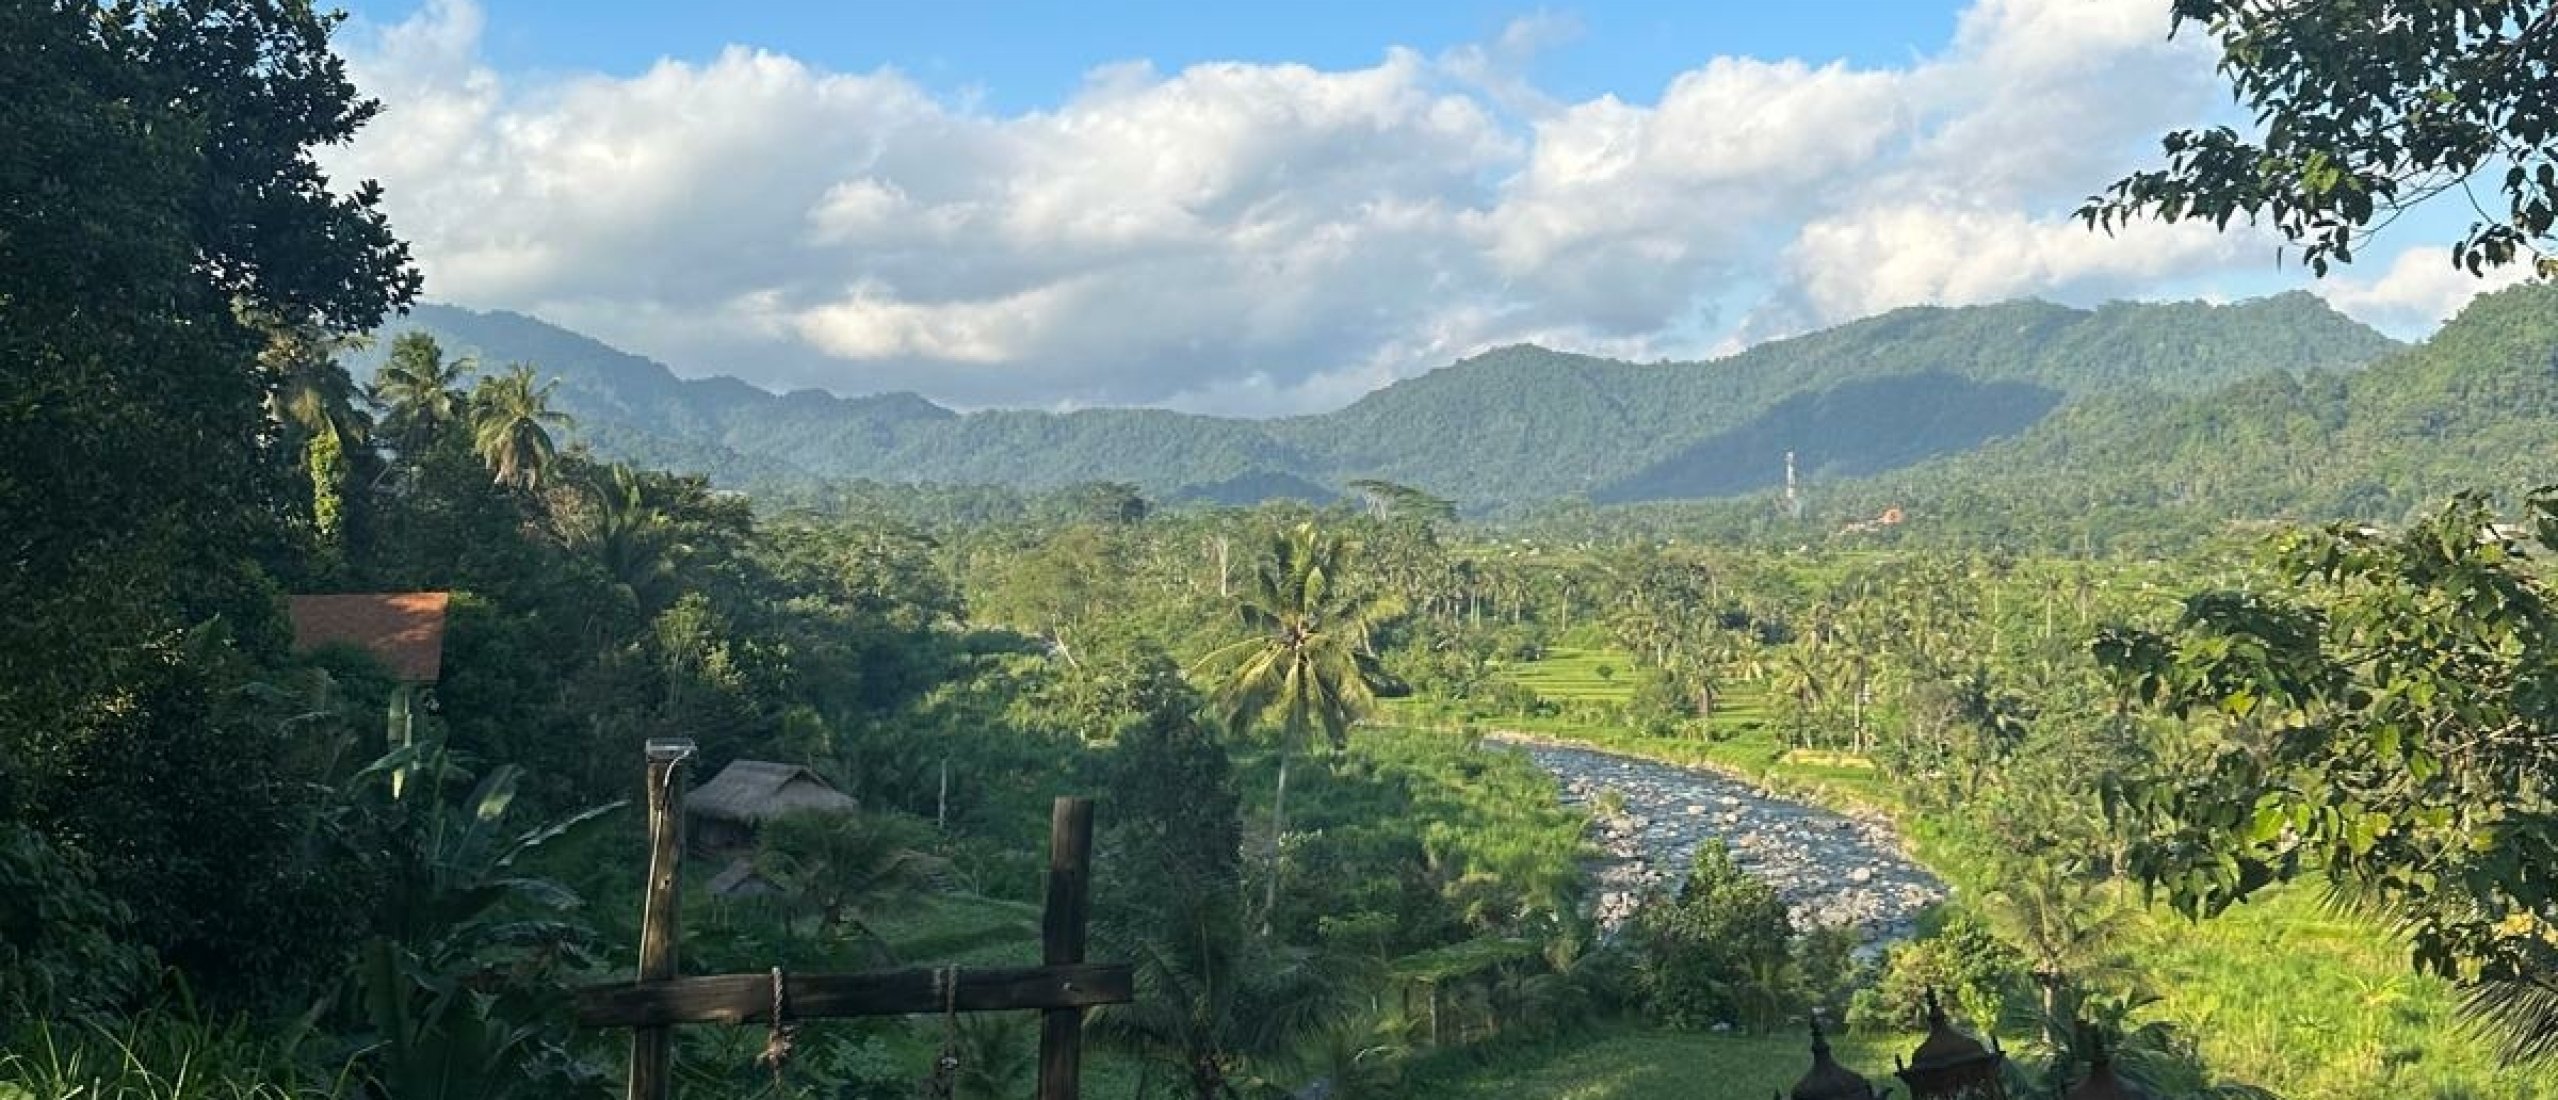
2281 992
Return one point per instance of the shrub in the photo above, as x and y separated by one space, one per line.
1963 961
1719 952
1659 704
61 943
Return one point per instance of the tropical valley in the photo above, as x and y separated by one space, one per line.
412 701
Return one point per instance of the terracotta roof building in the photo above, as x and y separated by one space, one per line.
402 630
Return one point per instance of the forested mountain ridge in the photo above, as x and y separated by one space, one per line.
2473 407
1513 425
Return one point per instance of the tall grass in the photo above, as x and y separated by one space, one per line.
157 1056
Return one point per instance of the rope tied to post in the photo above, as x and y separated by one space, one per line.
779 1034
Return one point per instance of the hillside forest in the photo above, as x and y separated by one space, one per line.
2199 658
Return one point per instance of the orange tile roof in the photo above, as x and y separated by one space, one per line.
403 630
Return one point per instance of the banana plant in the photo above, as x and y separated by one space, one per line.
461 991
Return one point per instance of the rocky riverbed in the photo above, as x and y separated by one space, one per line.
1830 869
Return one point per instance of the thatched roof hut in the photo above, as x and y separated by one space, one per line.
727 810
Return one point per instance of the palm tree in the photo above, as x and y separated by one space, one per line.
1306 662
1802 678
306 388
1211 1000
419 391
311 397
2068 928
511 418
845 868
628 532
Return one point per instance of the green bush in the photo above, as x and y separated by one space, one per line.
1962 960
1659 704
60 939
1720 952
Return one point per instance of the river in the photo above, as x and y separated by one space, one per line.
1830 869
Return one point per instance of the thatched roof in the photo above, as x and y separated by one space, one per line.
740 880
403 630
752 792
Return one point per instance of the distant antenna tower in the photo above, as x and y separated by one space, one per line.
1793 501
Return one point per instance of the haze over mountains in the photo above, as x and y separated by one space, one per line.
1516 425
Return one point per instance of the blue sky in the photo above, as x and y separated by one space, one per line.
1272 208
1020 56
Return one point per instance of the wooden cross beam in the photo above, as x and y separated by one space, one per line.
1060 990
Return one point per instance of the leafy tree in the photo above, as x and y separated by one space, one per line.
159 177
1108 502
2386 726
61 943
2367 108
1307 660
1390 501
1962 958
1660 704
511 422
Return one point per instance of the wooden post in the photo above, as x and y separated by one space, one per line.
653 1047
1061 1030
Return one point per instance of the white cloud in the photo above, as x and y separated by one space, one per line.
1873 259
1265 237
2421 289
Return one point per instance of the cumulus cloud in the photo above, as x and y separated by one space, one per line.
2421 289
1267 237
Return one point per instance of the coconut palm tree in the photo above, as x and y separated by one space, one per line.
1212 1000
1306 662
306 388
511 422
628 532
419 391
845 869
2069 929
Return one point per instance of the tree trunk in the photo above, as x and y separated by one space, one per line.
1207 1079
1278 828
1858 737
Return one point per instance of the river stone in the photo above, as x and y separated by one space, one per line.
1830 869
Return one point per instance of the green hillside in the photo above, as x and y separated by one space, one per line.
1511 426
2475 407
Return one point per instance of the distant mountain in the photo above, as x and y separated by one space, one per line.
1850 430
1511 426
2474 407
